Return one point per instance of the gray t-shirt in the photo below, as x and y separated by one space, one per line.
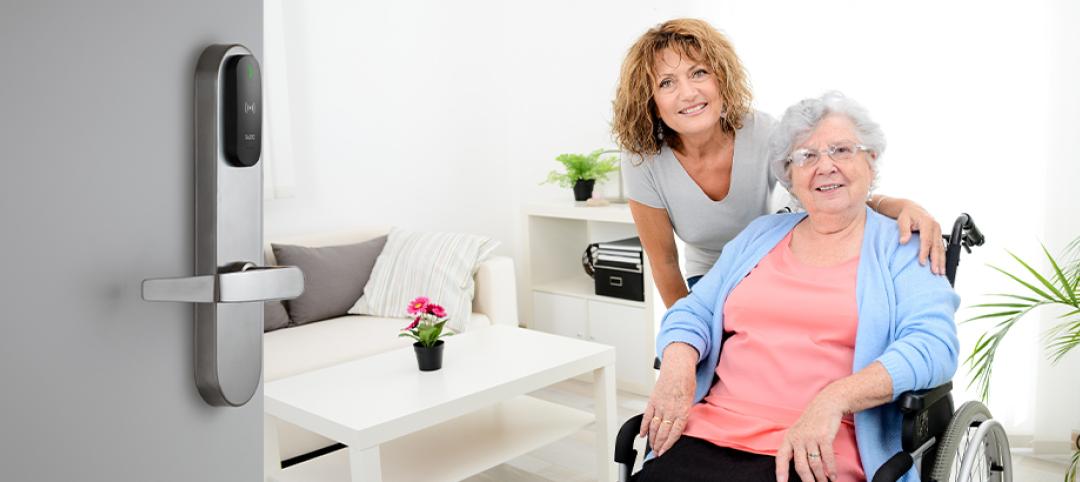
703 224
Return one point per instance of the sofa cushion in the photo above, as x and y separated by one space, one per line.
318 345
440 266
274 316
334 277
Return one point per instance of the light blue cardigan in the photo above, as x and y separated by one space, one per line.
905 320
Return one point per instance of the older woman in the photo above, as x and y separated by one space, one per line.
824 319
697 165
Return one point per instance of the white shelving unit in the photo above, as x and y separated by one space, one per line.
562 297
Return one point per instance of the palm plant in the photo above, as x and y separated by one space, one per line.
1060 288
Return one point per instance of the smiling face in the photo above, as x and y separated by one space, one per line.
686 93
828 186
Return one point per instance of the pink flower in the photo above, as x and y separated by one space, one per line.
436 310
416 321
418 305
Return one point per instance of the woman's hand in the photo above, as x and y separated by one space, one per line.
810 442
913 217
671 398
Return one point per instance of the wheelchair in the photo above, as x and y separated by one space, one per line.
945 445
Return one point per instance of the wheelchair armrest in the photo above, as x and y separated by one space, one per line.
894 468
624 443
926 415
919 400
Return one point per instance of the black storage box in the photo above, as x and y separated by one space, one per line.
620 283
618 270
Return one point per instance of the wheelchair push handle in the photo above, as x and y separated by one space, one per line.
964 234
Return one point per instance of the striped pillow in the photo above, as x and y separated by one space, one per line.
437 265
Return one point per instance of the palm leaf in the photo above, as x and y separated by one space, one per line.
1044 281
1074 466
1062 339
1024 283
1001 305
1061 278
1071 255
982 358
993 315
1017 297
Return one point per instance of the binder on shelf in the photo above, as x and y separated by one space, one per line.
618 269
628 244
605 258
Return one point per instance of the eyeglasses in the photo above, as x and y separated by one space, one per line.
838 152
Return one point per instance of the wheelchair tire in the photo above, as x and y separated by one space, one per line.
964 431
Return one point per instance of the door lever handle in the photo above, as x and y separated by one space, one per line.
235 283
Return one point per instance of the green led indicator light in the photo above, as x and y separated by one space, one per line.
251 72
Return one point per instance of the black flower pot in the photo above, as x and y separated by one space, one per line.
583 189
429 358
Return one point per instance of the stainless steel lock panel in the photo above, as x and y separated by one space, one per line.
228 287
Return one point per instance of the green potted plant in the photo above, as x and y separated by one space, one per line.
582 172
1060 288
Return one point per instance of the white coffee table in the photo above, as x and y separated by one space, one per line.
401 424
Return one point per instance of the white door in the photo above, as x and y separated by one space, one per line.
97 194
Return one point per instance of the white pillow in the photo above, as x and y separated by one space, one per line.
440 266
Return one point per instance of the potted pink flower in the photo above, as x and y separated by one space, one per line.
426 328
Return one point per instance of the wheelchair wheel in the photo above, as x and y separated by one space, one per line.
974 448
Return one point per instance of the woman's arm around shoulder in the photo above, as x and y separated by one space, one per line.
910 218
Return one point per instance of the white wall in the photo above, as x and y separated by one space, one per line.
1058 387
978 102
399 118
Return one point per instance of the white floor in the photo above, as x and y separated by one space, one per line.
571 460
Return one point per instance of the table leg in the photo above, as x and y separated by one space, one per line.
364 465
271 449
604 397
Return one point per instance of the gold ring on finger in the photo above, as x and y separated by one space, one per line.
656 419
666 421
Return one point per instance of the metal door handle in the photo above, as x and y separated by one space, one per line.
236 283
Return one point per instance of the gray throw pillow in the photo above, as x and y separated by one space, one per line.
274 316
334 277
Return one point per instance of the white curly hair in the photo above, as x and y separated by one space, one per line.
800 119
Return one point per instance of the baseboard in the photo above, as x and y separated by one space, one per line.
1051 447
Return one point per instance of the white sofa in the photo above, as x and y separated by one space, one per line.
294 350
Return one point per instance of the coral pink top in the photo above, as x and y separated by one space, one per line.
792 332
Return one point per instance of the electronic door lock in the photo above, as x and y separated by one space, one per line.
228 294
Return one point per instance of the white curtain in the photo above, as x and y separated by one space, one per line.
277 155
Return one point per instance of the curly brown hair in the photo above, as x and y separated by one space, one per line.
636 118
